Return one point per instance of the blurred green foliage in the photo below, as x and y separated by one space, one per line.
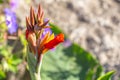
3 28
2 74
9 61
1 1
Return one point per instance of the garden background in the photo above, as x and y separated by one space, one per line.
91 46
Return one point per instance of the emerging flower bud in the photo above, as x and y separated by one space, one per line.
30 36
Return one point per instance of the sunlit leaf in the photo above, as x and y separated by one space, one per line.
106 76
14 60
2 75
4 51
55 28
23 40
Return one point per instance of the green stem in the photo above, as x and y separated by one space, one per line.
34 65
39 68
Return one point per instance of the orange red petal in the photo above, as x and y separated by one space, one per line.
58 39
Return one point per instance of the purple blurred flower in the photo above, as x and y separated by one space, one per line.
45 20
46 30
14 4
7 22
67 43
11 21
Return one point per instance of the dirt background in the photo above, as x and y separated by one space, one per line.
93 24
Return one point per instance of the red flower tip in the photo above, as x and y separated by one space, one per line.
58 39
26 33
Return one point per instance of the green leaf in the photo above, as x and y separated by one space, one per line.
32 62
2 75
106 76
14 60
55 28
12 68
4 51
23 40
11 63
72 63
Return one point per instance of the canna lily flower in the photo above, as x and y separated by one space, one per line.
67 43
39 35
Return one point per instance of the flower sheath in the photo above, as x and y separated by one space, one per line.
38 33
